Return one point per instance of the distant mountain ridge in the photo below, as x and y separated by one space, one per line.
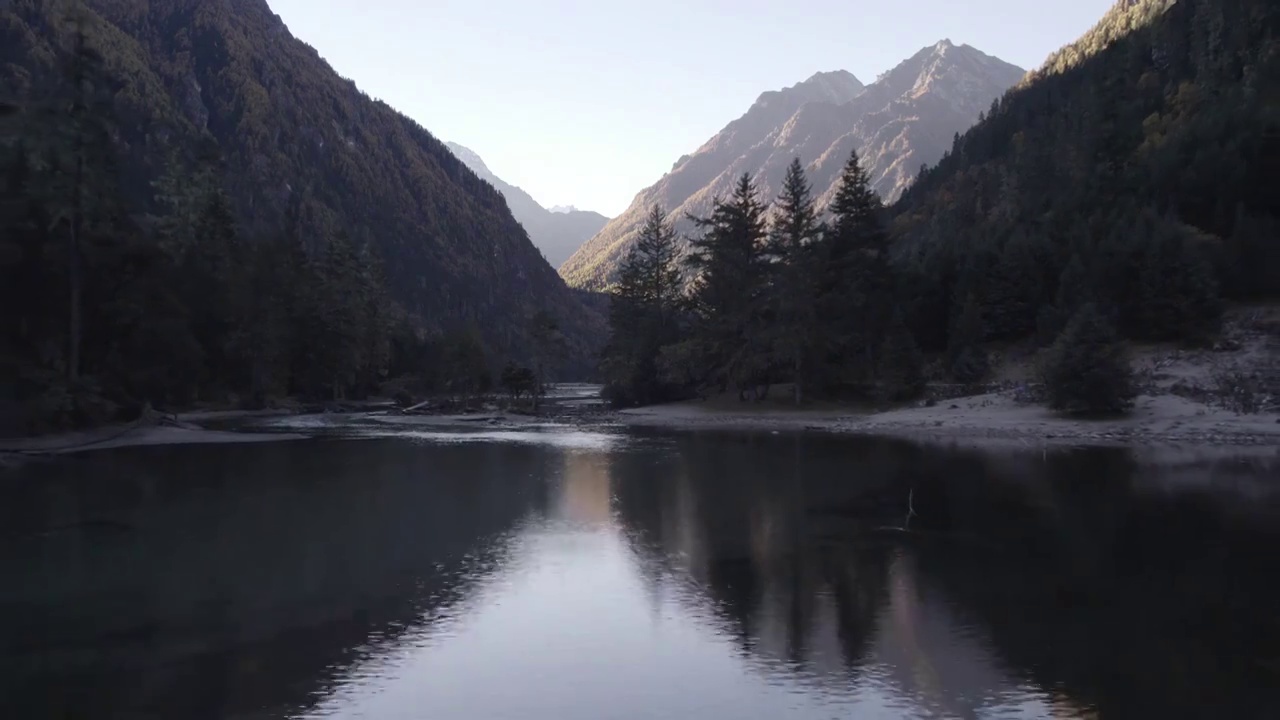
557 232
906 119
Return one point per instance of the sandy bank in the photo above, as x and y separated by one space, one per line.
130 436
1155 419
1166 414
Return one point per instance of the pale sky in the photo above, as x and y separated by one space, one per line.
585 103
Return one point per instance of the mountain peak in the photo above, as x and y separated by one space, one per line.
833 76
837 87
896 124
955 72
469 157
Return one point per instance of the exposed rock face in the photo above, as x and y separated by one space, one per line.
906 118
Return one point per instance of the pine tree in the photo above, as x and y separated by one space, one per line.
341 307
856 283
550 348
275 266
657 250
1177 292
1087 371
1014 289
376 317
969 362
643 314
82 150
730 276
901 372
464 364
792 248
213 288
1074 287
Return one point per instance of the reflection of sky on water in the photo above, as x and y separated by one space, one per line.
448 430
564 439
582 621
551 573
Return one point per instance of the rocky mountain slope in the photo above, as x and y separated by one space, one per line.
905 119
557 232
301 146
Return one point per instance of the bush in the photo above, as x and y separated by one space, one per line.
1087 370
1239 393
519 381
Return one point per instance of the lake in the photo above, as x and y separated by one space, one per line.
555 573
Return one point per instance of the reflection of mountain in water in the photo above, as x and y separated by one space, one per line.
316 577
239 579
1060 584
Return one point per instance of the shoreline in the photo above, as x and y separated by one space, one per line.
990 419
183 432
993 420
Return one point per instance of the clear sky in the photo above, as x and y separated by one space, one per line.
586 102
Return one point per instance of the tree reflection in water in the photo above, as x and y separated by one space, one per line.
365 577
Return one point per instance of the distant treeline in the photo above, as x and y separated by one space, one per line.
792 300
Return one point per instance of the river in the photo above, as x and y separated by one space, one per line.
557 573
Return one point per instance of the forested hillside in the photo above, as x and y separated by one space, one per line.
1140 168
1126 191
197 206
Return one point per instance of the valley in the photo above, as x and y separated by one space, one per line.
304 242
953 393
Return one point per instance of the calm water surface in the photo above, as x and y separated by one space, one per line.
558 574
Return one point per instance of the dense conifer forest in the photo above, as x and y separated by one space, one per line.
195 208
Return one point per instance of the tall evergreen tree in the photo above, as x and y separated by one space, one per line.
1177 293
1074 287
81 148
550 349
731 273
856 285
643 314
792 248
658 262
901 372
1015 288
969 361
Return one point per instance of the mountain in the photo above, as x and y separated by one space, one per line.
905 119
557 232
301 147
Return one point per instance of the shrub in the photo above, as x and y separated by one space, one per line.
1087 370
1239 392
